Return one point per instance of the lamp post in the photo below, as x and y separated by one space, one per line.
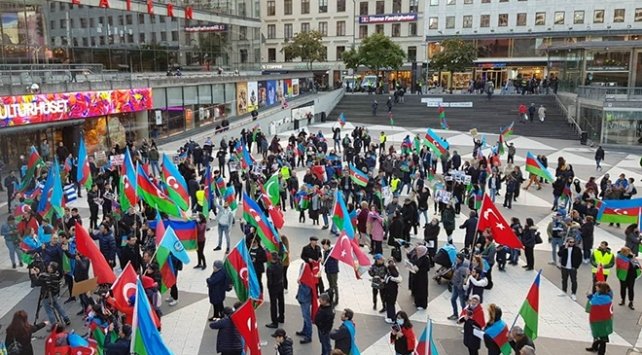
354 21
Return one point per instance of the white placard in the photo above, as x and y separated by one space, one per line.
450 104
425 100
159 117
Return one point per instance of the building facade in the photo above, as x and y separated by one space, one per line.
513 36
344 24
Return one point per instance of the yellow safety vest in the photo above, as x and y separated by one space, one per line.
604 258
285 172
200 197
394 183
383 138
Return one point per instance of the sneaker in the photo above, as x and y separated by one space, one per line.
453 317
217 248
14 266
585 261
169 299
67 321
173 302
551 262
420 308
305 341
573 297
272 325
388 320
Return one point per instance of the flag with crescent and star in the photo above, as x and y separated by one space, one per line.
619 211
342 250
438 145
123 289
253 215
154 196
87 247
127 188
276 215
83 173
272 188
490 217
175 182
239 267
244 319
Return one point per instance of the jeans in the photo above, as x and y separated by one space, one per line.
324 339
13 252
556 243
325 219
457 294
493 194
425 214
555 202
47 304
155 168
307 319
223 230
573 274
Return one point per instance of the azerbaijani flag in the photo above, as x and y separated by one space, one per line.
230 197
83 173
442 117
500 145
620 211
530 309
154 196
238 265
146 339
169 244
342 120
498 331
506 131
51 203
426 346
436 144
341 218
535 167
246 157
255 217
176 185
622 263
601 315
185 230
358 177
208 196
128 183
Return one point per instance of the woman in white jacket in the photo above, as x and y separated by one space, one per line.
475 284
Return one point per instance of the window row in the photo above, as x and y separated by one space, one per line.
521 19
379 7
288 29
411 54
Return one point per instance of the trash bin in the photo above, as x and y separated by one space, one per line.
583 138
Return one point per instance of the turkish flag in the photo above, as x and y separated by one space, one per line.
489 217
124 288
599 274
310 279
88 248
189 13
244 320
319 172
342 250
275 213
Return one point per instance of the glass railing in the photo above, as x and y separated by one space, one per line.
606 93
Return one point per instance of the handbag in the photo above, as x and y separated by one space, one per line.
538 238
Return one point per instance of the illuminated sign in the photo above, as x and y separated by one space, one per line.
219 27
44 108
388 18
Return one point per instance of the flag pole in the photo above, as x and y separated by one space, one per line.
517 315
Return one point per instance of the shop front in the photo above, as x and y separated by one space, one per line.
104 118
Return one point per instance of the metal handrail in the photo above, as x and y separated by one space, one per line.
602 93
570 119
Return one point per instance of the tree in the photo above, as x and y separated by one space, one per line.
456 55
307 46
352 59
379 52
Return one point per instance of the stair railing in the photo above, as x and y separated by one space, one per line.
570 117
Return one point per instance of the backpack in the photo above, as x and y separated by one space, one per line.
14 348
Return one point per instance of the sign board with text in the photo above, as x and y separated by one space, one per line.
450 104
390 18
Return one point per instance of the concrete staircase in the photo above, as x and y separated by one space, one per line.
486 116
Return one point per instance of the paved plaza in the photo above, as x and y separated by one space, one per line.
563 327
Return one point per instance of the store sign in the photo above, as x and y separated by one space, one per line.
620 68
44 108
388 18
491 65
450 104
218 27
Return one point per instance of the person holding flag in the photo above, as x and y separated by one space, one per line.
473 318
496 332
228 340
627 270
600 307
602 256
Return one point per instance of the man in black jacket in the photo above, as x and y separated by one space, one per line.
341 336
570 261
122 344
471 228
275 290
312 252
324 319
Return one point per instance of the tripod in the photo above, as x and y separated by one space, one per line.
49 297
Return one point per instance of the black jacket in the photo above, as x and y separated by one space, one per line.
274 276
258 259
342 339
324 318
528 237
119 347
285 348
308 253
575 254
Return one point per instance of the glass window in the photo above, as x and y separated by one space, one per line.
578 17
341 5
484 21
468 2
174 36
380 7
412 29
323 6
502 20
540 19
323 28
363 8
340 50
489 48
396 6
412 54
598 16
287 7
618 15
638 15
559 17
503 0
450 21
379 28
341 28
396 30
287 31
271 8
451 2
433 23
305 27
413 6
524 47
305 6
522 18
363 31
271 31
485 2
468 21
434 2
271 55
163 36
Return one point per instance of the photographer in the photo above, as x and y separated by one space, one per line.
402 335
49 283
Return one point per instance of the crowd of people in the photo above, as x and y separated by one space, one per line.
387 207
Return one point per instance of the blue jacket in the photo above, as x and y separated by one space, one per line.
107 244
52 253
217 286
331 264
228 338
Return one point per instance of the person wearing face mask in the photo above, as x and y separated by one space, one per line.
402 335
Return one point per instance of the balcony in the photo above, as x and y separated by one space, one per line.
609 93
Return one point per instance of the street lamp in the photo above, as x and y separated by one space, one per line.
354 21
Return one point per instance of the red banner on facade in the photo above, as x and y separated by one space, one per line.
188 13
104 4
170 10
129 5
150 7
